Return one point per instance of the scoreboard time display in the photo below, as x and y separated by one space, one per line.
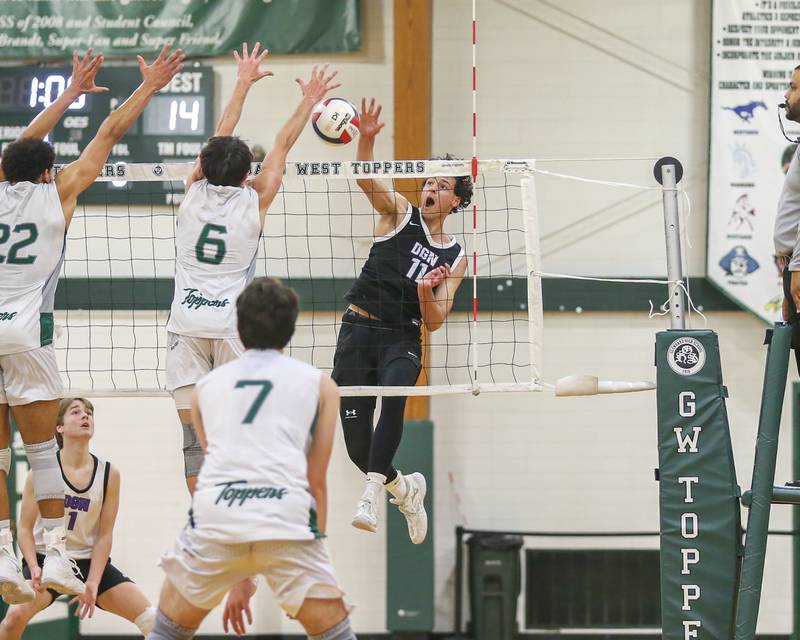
173 127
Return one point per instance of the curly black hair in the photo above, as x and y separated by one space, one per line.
27 159
225 160
463 186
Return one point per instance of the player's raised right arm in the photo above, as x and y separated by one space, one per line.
319 453
79 175
381 194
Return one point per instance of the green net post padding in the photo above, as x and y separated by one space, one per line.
698 495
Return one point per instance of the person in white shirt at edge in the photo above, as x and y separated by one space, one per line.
266 422
36 208
92 498
218 232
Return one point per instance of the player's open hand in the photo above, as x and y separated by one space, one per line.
368 124
86 601
84 71
249 63
238 602
157 75
319 84
434 278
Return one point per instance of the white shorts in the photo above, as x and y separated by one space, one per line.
30 376
204 571
190 358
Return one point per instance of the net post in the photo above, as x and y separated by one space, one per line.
534 269
668 172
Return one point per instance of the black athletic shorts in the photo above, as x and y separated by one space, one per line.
111 575
365 347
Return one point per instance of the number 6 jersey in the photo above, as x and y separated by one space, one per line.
258 415
32 229
216 242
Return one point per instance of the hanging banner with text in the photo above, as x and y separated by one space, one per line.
755 47
53 28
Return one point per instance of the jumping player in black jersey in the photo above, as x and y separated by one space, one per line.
411 276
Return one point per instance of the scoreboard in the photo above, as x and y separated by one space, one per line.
173 127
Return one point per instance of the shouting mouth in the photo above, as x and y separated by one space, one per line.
429 201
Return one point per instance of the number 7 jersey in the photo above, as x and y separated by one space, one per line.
32 231
258 414
216 243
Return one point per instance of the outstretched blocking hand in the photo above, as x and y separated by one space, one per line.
249 63
84 72
368 123
316 88
157 75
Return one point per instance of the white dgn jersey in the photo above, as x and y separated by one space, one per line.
258 414
82 507
215 255
32 229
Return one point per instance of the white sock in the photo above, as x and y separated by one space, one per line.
398 487
55 535
6 539
375 482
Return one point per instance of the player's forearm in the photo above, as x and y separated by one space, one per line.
117 124
366 152
290 131
433 311
101 552
46 120
233 110
27 545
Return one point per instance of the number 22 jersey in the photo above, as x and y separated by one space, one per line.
32 232
216 243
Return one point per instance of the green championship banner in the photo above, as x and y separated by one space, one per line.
698 494
53 28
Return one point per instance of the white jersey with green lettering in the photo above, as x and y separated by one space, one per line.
32 230
258 413
216 242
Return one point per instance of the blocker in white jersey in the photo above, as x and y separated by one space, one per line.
32 230
219 226
36 208
266 422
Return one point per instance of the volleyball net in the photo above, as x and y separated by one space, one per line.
117 282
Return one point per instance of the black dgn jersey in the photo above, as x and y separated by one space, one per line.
387 286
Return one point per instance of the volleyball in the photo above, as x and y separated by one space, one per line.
335 121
